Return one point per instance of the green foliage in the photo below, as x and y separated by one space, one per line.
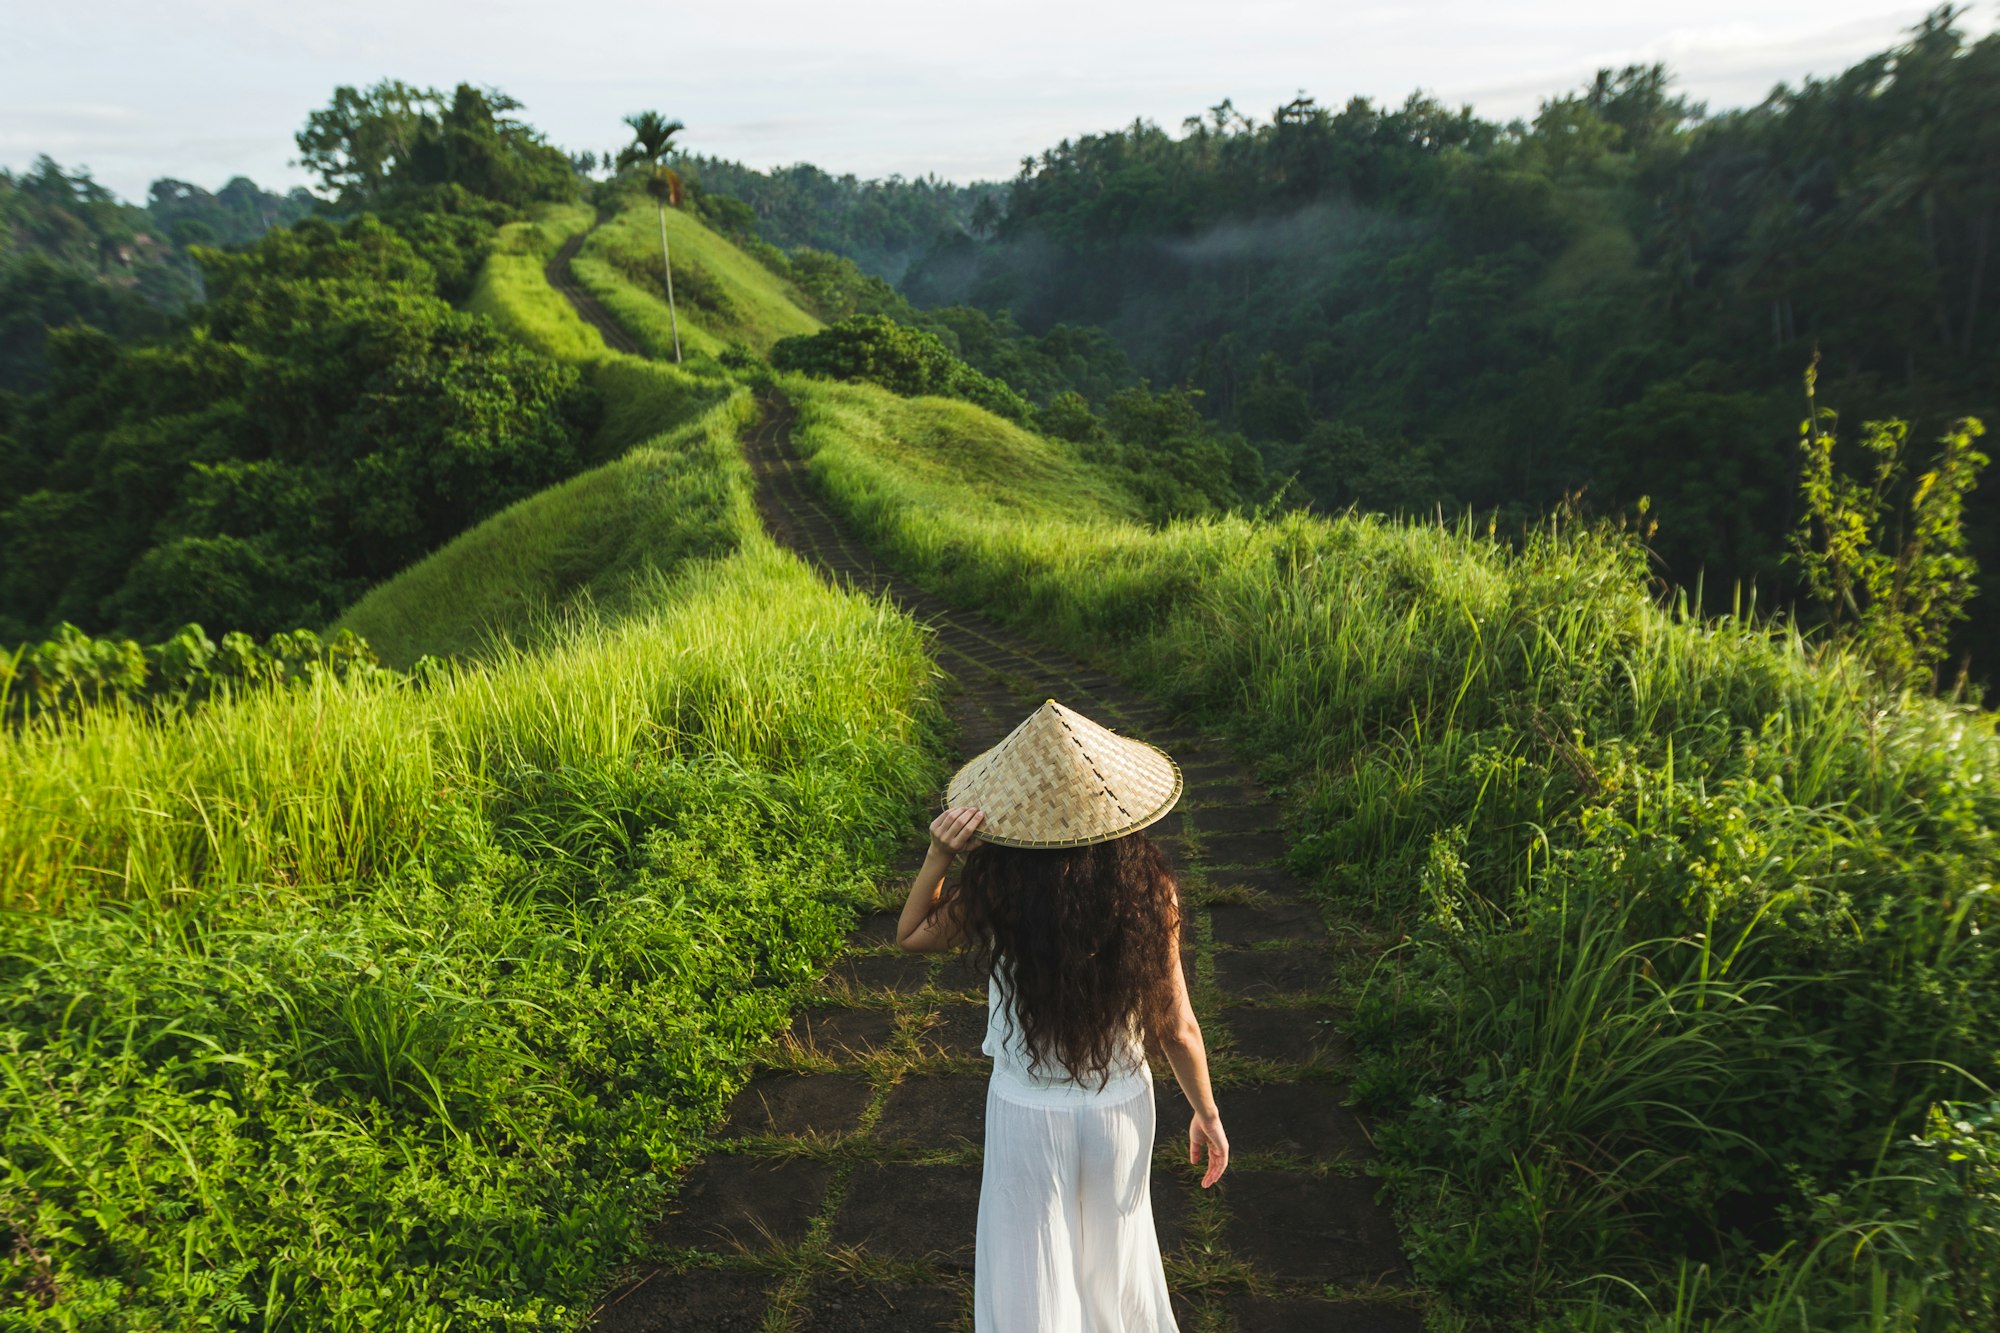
907 361
598 540
327 421
1609 299
383 146
72 671
1902 588
71 251
881 224
1180 466
458 976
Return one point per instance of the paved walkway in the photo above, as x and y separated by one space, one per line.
844 1187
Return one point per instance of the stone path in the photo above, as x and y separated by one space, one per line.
844 1185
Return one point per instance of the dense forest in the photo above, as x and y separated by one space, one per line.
1411 307
71 251
882 225
322 419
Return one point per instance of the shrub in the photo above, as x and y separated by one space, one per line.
911 362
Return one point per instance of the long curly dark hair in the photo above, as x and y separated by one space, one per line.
1085 933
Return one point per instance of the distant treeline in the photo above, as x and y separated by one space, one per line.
882 225
70 250
1412 307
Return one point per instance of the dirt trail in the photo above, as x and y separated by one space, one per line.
845 1186
559 277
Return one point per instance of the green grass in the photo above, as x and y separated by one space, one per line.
597 539
511 292
384 1005
401 1003
722 295
641 398
1694 913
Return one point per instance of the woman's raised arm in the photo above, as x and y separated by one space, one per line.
930 922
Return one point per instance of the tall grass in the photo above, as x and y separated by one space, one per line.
381 1005
1696 913
399 1003
597 539
723 296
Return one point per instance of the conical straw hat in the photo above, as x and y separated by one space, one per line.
1061 780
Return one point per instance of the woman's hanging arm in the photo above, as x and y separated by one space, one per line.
1187 1053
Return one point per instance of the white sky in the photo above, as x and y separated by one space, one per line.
204 90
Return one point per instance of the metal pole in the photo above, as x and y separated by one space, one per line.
666 261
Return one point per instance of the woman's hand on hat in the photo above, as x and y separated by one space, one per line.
956 830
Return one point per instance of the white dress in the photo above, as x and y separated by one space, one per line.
1065 1241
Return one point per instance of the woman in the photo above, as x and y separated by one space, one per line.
1074 917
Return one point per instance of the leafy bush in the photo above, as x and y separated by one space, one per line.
908 361
72 671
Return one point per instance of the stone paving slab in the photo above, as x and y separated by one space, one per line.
700 1300
846 1031
838 1305
1303 1120
875 930
755 1203
945 1110
798 1104
1309 1035
1305 1229
1259 1314
1244 849
1272 882
1257 817
1219 770
910 1211
1238 924
1263 973
899 973
957 1031
1170 1196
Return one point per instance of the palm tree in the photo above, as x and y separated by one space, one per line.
652 141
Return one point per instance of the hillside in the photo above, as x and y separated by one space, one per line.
1412 307
473 958
722 295
1644 866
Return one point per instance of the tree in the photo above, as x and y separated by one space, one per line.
1903 583
652 140
357 143
395 145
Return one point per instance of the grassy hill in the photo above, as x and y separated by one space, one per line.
721 294
673 485
599 539
400 1002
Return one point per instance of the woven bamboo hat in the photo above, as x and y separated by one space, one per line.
1061 780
